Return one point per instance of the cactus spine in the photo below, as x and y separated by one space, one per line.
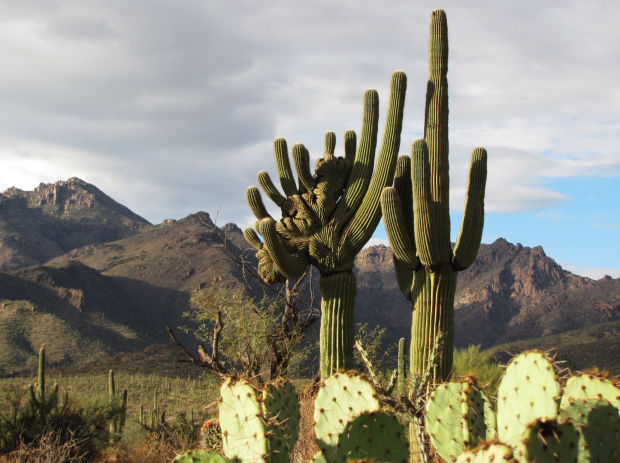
328 216
417 219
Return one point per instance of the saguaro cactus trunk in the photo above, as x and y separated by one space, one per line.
328 216
416 214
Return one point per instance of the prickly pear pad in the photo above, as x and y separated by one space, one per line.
528 391
444 419
587 387
243 430
490 418
341 398
281 410
455 418
549 441
375 436
497 453
598 425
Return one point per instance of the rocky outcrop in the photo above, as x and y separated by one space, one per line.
38 225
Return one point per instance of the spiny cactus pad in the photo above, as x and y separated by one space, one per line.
455 418
548 441
341 398
586 387
243 429
497 453
376 436
281 410
598 425
528 391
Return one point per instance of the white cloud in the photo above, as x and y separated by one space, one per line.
171 107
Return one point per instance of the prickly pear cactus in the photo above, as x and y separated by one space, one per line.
456 418
240 417
598 426
495 452
585 387
373 436
528 391
548 441
341 398
281 411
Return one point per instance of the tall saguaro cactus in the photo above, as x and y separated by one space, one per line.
416 214
328 216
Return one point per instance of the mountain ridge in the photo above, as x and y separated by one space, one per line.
134 285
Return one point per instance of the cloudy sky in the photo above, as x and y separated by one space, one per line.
171 106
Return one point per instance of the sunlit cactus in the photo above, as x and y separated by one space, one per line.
416 214
328 216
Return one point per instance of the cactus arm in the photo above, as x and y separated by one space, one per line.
269 188
468 242
424 211
364 159
290 265
284 167
256 203
393 219
41 376
252 238
350 144
301 158
436 133
330 145
367 217
402 184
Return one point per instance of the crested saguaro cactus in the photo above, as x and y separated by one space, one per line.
328 216
416 214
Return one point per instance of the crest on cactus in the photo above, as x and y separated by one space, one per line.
328 216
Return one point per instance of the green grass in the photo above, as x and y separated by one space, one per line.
187 395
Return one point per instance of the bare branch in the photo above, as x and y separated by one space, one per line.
205 361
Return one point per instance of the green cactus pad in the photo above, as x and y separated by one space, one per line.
341 398
456 418
587 387
200 456
598 425
495 452
490 418
318 458
547 441
241 421
376 436
528 391
281 410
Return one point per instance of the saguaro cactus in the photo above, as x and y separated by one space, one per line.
328 217
417 218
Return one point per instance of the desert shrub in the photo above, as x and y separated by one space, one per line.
78 430
472 360
50 448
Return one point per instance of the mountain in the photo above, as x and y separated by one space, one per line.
111 282
511 292
38 225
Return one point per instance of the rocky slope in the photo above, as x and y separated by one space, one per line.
38 225
112 282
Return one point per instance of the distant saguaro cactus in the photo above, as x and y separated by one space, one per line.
328 217
416 214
